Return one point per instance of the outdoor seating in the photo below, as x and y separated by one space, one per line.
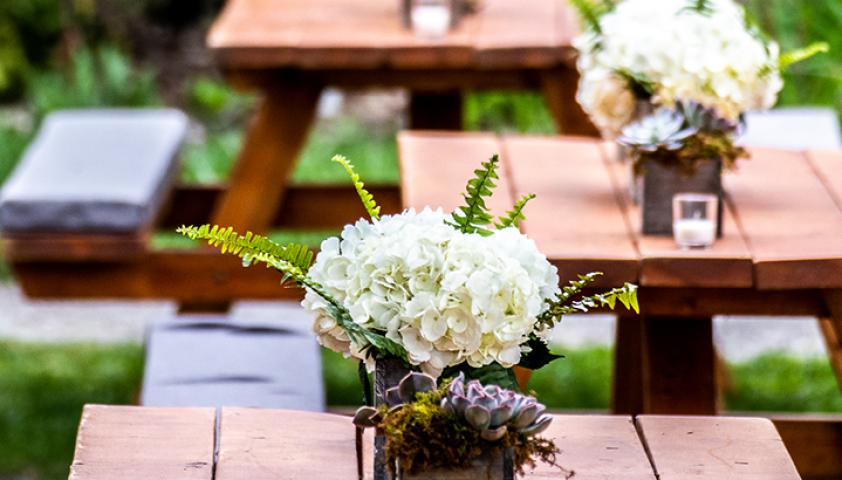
441 292
213 361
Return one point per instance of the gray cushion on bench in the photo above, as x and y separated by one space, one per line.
214 361
796 128
94 171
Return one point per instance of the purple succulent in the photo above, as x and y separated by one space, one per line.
409 386
493 410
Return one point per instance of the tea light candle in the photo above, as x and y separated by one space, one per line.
694 232
430 20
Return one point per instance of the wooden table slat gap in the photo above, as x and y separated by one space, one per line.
645 443
825 180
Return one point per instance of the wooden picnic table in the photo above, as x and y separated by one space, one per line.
290 50
172 443
781 253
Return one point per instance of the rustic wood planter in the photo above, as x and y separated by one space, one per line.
489 467
388 373
661 182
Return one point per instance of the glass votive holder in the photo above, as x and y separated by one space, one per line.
430 18
694 219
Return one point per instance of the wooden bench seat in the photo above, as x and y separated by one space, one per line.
212 361
94 171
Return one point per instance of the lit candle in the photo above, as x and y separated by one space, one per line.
694 232
430 20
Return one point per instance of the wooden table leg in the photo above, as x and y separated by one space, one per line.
559 87
435 111
627 383
679 366
274 139
832 329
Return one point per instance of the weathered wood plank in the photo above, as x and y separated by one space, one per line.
575 219
715 448
436 166
726 264
596 447
790 221
260 444
369 33
144 443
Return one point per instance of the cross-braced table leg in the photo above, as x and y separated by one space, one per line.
274 139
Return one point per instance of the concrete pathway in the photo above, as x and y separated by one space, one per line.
738 338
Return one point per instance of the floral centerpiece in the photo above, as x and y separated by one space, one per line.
704 60
443 293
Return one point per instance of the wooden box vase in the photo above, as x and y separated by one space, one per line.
388 372
660 182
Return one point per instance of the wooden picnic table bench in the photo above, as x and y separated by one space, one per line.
256 444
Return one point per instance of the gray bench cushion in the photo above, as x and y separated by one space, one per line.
94 171
796 128
214 361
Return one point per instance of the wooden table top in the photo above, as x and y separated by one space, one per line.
143 443
314 34
782 226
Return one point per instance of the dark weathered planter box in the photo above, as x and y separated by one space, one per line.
497 467
661 182
387 374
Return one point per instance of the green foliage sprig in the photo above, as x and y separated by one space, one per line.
293 260
697 148
792 57
474 216
365 196
591 11
564 305
513 217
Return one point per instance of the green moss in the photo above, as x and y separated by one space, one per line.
423 436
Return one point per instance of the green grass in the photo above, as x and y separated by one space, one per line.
42 390
774 382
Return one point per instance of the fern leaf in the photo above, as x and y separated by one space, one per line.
792 57
251 247
562 304
474 216
590 12
514 216
366 197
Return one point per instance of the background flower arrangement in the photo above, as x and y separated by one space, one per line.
662 51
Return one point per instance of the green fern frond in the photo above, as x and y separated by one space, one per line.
514 216
366 197
792 57
590 12
474 216
251 247
562 304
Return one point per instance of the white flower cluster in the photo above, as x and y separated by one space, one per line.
711 58
445 296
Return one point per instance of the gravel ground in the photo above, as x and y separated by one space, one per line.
738 338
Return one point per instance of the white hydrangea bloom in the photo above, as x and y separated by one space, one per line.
445 296
711 58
